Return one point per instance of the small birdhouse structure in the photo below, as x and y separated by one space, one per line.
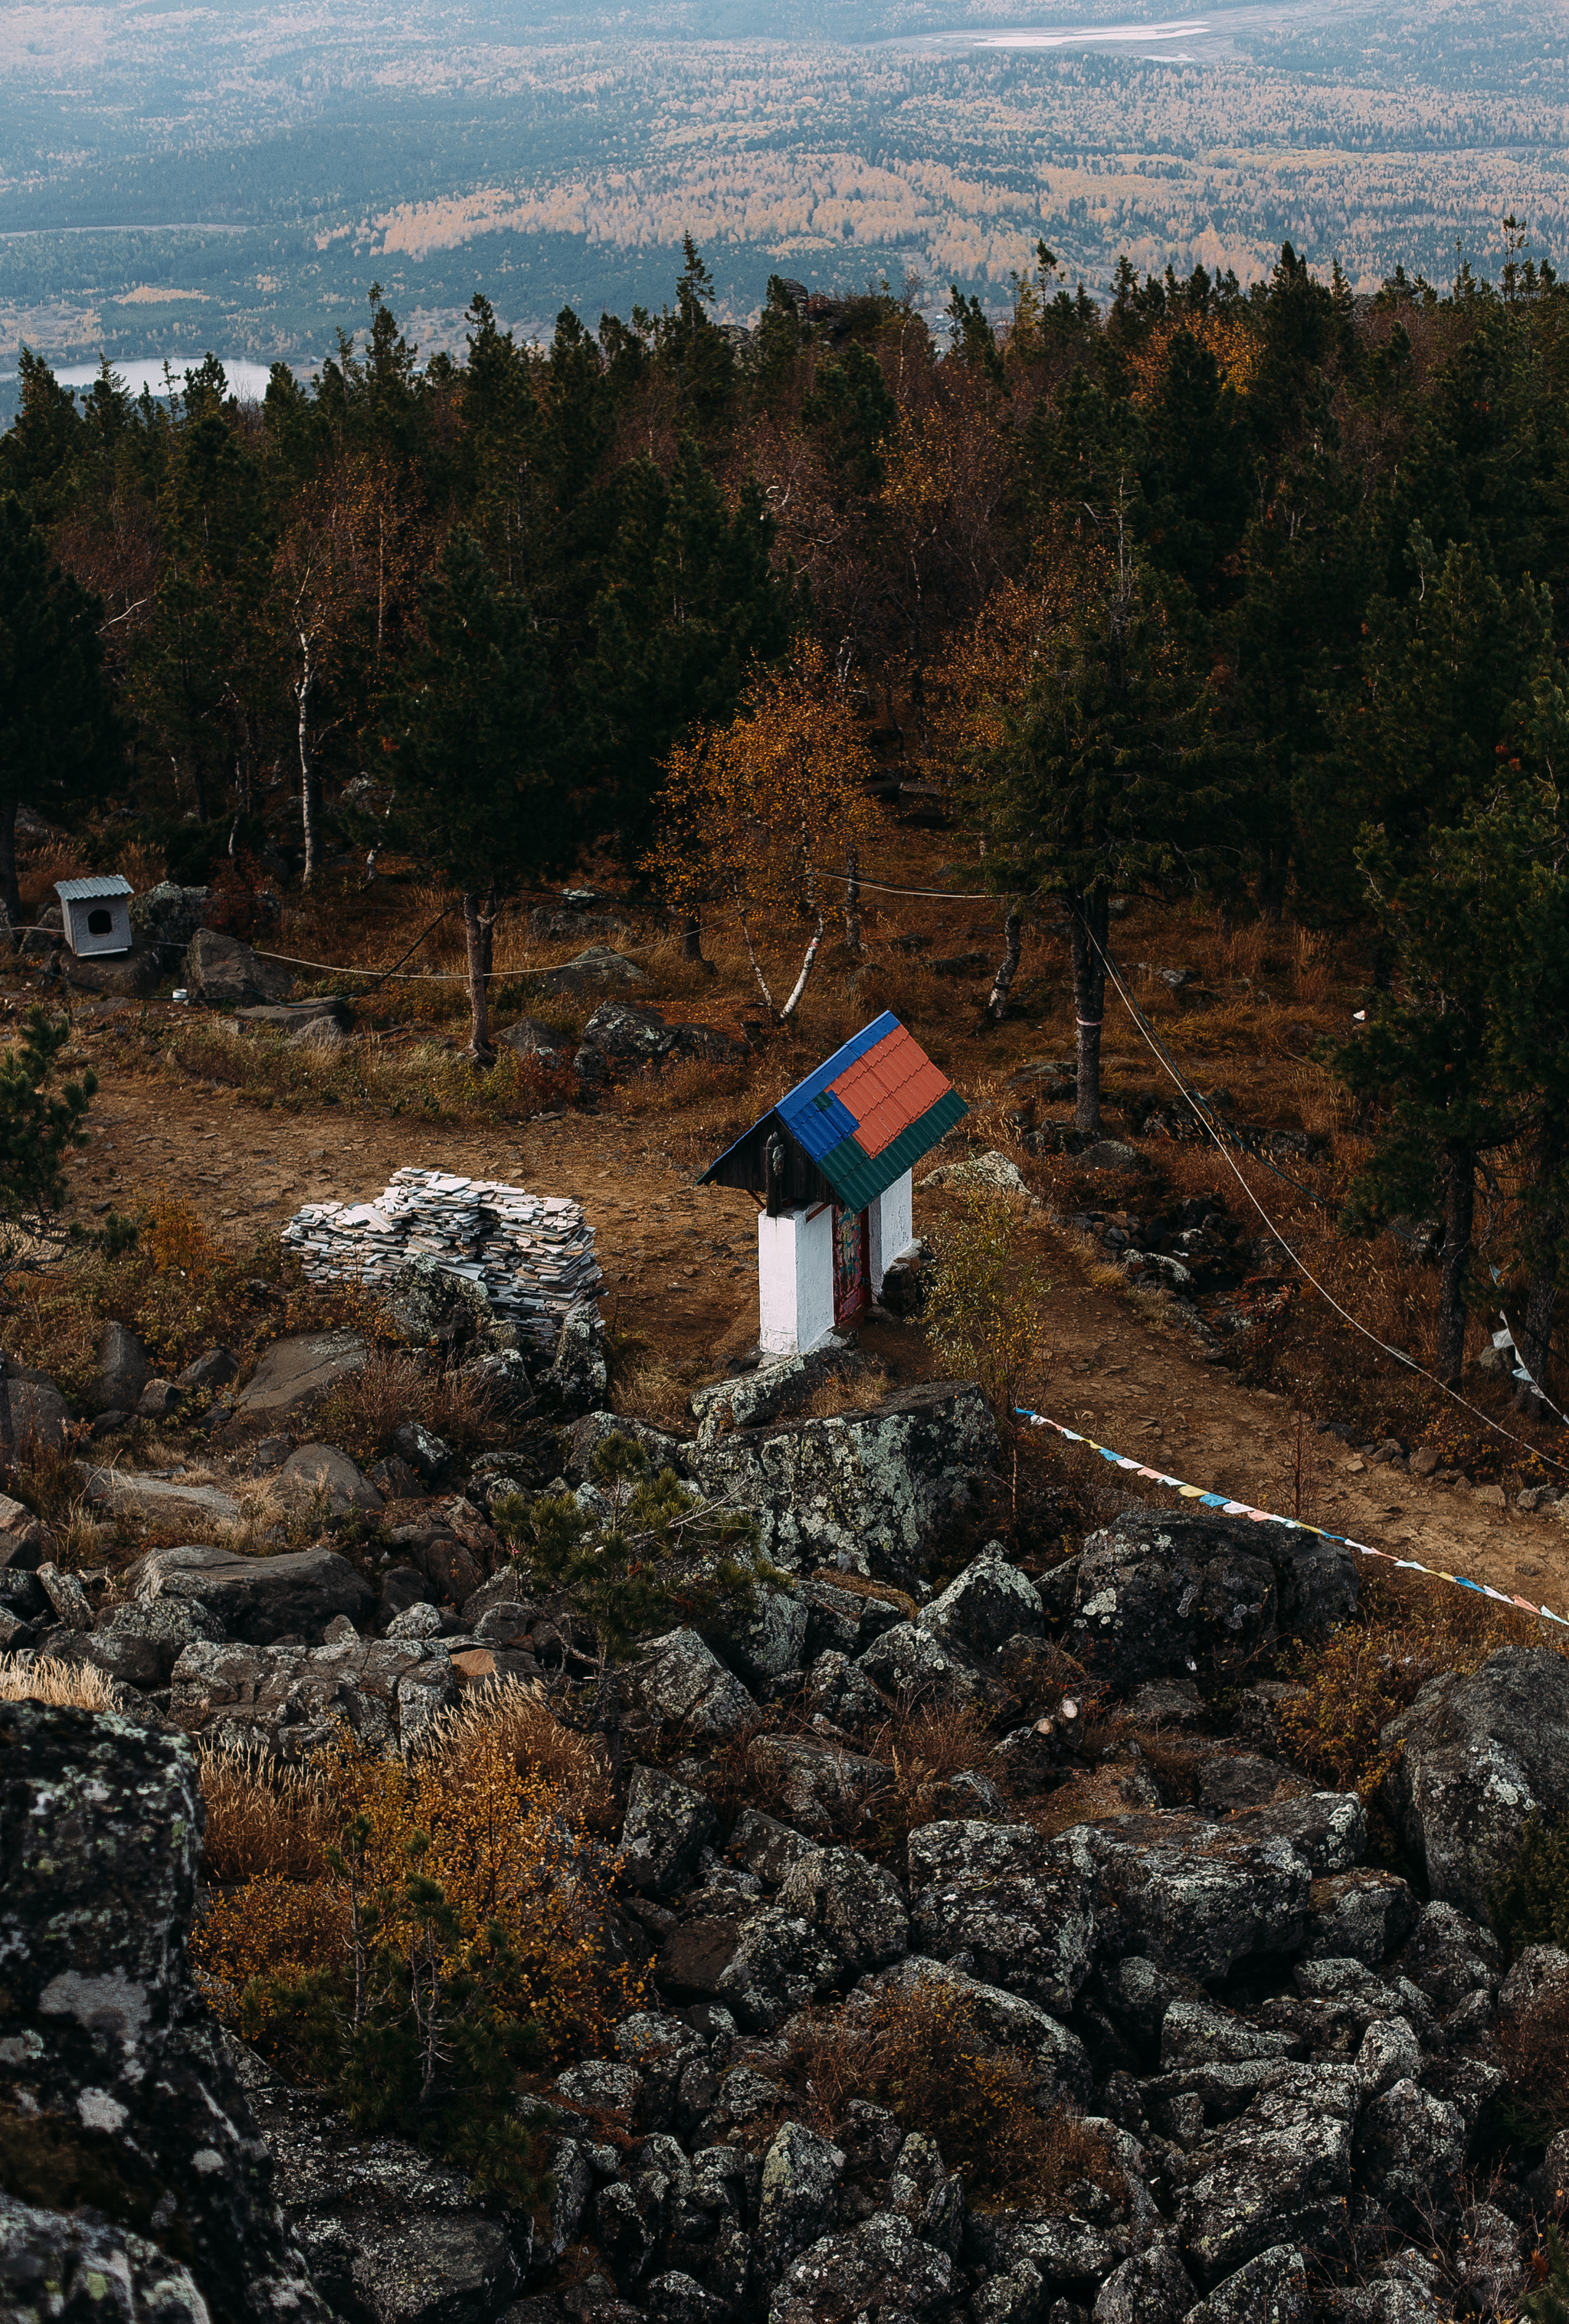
98 913
830 1168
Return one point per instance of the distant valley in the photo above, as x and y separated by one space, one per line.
171 181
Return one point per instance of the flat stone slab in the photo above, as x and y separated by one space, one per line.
295 1374
160 1500
257 1599
287 1016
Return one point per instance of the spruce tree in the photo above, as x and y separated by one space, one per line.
475 744
59 739
1117 773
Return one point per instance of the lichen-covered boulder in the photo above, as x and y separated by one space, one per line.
798 2199
868 1490
1478 1755
1280 2172
100 1833
138 1641
1269 2290
679 1681
579 1374
1152 2287
758 1960
293 1700
990 1602
852 1903
879 2270
256 1599
1021 1909
664 1833
1153 1595
767 1639
1199 1897
907 1662
53 2267
1410 2147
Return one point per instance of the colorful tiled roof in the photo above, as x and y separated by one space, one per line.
869 1112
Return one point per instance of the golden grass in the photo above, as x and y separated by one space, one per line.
267 1821
264 1819
518 1718
850 1391
79 1684
654 1391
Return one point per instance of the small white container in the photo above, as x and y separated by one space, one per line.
181 993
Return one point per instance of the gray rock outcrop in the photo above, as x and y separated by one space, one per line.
1479 1755
868 1490
1154 1595
257 1599
100 1830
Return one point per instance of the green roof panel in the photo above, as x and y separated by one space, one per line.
857 1177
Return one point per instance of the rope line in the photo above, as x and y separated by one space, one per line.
1230 1507
1398 1354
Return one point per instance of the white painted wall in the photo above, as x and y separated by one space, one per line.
890 1228
117 937
795 1280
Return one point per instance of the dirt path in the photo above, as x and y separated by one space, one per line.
680 1270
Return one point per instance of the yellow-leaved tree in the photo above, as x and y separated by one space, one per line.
769 814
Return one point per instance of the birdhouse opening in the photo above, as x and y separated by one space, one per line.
99 922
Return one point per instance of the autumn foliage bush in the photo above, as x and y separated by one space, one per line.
409 1935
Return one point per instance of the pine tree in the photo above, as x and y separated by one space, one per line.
691 607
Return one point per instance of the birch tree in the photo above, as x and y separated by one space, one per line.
766 819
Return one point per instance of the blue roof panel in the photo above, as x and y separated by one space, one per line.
820 1123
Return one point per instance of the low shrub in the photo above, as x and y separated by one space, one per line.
1533 2050
655 1552
985 1311
411 1936
1374 1667
919 2051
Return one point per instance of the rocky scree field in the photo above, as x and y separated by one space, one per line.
1021 1913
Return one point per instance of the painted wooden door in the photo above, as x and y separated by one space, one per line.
852 1264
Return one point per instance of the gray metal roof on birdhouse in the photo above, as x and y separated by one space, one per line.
87 891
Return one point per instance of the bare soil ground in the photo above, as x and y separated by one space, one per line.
246 1134
680 1267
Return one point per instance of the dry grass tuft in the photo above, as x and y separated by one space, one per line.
364 1413
849 1391
517 1718
657 1391
79 1685
267 1821
264 1819
919 2051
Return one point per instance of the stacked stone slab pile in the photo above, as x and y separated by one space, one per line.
531 1254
